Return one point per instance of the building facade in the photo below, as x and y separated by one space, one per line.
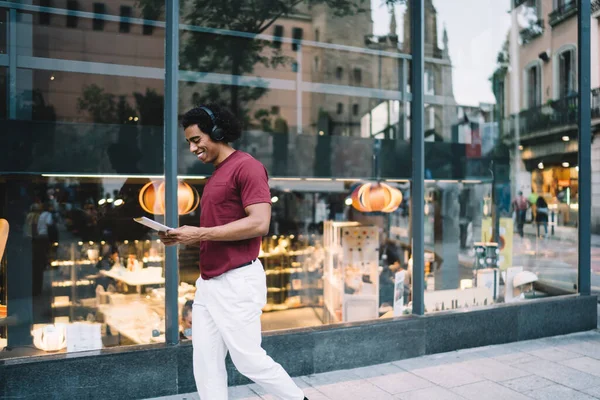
541 104
344 102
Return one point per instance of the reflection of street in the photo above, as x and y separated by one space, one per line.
554 259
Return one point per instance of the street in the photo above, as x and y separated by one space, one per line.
554 258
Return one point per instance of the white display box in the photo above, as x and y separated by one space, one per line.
351 275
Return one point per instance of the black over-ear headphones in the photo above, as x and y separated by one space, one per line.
216 134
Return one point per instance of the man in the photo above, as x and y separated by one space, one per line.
231 290
520 206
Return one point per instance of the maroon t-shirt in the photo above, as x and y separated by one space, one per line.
239 181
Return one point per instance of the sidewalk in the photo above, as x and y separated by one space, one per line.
562 367
561 233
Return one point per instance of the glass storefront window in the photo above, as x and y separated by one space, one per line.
323 92
78 272
511 133
325 109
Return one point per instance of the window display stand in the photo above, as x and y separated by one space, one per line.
351 276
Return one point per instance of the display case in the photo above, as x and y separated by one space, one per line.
293 267
110 284
351 271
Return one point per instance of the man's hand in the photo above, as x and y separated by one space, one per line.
187 235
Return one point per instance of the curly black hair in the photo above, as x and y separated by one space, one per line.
232 129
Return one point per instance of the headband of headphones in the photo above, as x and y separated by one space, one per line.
216 134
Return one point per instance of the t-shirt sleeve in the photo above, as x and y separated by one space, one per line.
253 182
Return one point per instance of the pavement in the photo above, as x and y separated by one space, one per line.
562 367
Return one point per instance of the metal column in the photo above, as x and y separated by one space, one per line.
170 156
299 89
584 146
418 155
12 64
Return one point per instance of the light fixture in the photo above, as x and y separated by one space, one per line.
566 138
577 168
119 202
131 118
521 147
565 164
373 197
110 200
321 133
274 199
541 165
348 201
52 78
80 243
136 119
152 198
101 202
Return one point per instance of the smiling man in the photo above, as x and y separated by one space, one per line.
231 290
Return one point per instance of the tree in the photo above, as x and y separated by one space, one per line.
150 107
235 55
103 107
106 108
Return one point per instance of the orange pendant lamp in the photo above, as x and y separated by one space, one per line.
152 198
376 197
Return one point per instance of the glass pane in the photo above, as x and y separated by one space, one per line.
324 108
87 158
3 30
512 120
137 41
3 92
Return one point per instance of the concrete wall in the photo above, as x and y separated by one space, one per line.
167 370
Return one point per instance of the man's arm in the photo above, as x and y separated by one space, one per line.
255 224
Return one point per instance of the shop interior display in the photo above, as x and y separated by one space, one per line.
121 287
293 266
351 271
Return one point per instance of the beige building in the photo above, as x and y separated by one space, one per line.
99 69
541 105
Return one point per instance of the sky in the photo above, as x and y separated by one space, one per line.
476 31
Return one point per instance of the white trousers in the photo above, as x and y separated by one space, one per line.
226 317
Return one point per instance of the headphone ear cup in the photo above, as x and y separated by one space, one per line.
217 135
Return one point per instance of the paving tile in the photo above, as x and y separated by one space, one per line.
527 383
595 391
329 378
308 390
391 378
516 358
554 354
492 370
447 375
528 345
558 392
432 360
242 393
376 370
584 364
489 391
432 393
359 389
588 348
560 374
